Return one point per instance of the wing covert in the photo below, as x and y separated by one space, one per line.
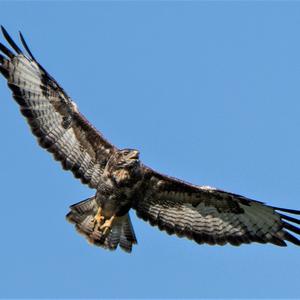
52 116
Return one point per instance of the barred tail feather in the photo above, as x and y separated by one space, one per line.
122 233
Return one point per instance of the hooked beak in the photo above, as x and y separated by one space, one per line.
134 154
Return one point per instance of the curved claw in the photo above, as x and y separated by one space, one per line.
101 224
98 218
106 227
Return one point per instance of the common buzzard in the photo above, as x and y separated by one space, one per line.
201 213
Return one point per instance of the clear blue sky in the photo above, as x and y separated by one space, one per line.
208 92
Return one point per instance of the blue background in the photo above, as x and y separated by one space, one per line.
208 92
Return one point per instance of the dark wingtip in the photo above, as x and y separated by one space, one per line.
1 59
4 72
288 218
290 211
26 46
290 227
2 29
292 239
10 40
6 51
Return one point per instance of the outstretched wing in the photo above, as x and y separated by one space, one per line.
52 116
212 216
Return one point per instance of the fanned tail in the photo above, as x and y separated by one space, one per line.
82 215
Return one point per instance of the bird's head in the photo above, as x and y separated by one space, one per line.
124 166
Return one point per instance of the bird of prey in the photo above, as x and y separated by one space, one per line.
200 213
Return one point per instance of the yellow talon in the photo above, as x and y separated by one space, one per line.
98 217
99 223
106 227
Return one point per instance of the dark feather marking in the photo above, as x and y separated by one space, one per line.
2 59
6 51
20 100
42 123
45 141
221 240
26 46
57 155
33 116
4 72
66 163
289 218
291 211
32 94
26 112
10 40
77 165
67 121
277 241
50 142
16 90
291 238
197 237
70 159
87 174
291 227
37 132
233 240
256 239
223 205
210 239
56 148
244 239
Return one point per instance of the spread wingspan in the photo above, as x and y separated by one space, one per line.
204 214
